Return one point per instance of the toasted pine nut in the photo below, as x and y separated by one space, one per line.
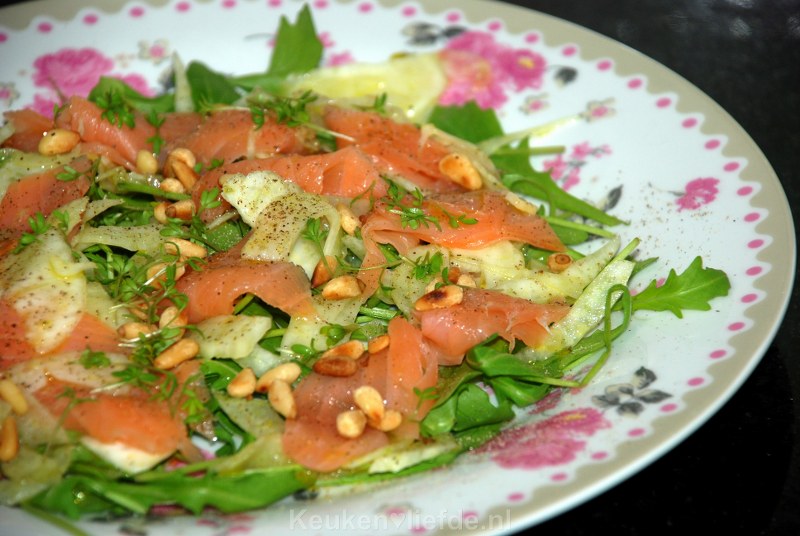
433 284
347 219
460 170
342 288
391 420
466 280
377 344
172 317
132 330
350 349
157 272
58 141
13 395
185 174
139 310
558 262
351 424
520 204
183 350
185 248
440 298
285 372
243 384
9 439
282 400
370 401
179 155
146 162
324 270
160 212
337 366
183 209
173 186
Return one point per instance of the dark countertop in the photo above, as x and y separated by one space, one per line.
740 472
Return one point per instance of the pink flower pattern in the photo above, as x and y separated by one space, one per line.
550 442
74 72
480 69
698 192
567 169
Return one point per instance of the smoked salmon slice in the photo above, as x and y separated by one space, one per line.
42 193
482 313
230 134
121 144
134 419
29 127
214 289
482 218
398 372
90 333
397 149
343 173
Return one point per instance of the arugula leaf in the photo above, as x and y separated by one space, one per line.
130 97
228 494
690 290
209 87
468 122
541 186
297 47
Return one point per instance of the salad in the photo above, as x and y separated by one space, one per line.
250 286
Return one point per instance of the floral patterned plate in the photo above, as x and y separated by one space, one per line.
639 140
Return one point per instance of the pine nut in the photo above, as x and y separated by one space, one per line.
173 186
185 248
13 395
243 384
340 367
350 349
460 170
377 344
160 212
9 439
439 298
391 420
282 400
146 162
324 270
179 155
133 330
342 288
183 350
158 273
172 317
558 262
184 174
466 280
347 219
285 372
370 401
58 141
183 209
351 424
520 204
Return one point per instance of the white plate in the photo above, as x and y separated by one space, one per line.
692 183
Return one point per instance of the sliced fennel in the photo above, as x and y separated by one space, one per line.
232 336
47 287
589 309
542 286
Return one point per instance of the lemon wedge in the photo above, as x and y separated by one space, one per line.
411 83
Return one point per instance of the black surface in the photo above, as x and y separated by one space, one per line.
740 472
